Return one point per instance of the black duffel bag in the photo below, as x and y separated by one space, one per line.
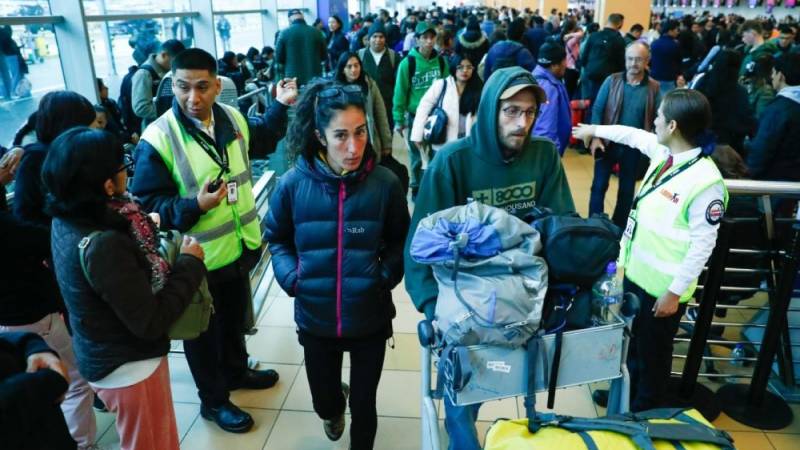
577 250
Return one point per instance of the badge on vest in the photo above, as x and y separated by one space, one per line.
631 225
714 212
233 192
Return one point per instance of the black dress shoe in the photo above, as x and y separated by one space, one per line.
256 379
229 417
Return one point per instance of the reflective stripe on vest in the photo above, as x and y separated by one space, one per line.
221 230
661 239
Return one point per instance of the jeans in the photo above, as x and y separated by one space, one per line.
218 357
323 357
650 353
414 157
628 159
7 84
459 422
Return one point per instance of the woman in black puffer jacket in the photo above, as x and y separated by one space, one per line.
336 228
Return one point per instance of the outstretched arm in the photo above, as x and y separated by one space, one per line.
645 142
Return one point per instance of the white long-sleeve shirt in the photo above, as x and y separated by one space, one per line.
702 230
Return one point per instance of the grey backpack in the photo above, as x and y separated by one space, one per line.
491 283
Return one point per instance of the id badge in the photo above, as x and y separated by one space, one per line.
233 192
630 226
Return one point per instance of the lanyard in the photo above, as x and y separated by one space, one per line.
663 180
209 147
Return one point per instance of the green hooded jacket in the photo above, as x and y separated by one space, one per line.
767 48
426 72
473 167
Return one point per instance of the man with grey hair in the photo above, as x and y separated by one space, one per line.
625 98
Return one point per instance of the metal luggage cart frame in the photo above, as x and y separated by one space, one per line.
610 366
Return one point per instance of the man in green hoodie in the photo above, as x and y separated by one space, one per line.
755 45
427 66
498 164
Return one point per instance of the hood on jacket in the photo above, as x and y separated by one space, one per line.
483 137
791 92
471 39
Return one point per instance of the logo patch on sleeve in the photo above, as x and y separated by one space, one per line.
714 212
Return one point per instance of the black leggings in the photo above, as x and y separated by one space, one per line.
323 358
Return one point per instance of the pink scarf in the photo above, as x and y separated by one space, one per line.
145 232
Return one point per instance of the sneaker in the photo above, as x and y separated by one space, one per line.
335 427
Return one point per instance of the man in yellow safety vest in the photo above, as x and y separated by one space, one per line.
193 168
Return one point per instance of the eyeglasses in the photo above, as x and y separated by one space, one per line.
514 112
341 93
465 68
127 163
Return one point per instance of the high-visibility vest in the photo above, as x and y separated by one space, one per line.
221 230
654 255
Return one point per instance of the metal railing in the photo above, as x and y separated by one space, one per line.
775 269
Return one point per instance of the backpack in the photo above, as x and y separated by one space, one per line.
491 283
577 250
163 96
194 319
125 100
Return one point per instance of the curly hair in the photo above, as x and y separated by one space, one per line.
312 115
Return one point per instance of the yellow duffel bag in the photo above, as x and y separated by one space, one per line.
657 429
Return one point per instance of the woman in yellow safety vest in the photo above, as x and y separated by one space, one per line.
671 230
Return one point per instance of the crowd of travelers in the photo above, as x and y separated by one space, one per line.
485 100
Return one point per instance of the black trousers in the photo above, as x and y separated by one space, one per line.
218 357
650 352
323 358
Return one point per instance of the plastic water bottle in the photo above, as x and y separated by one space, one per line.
738 354
607 298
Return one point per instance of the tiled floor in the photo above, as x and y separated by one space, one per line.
284 416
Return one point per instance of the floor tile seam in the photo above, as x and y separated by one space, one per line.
197 416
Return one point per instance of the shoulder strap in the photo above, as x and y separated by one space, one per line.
412 68
392 56
530 397
441 67
82 246
441 93
642 432
152 71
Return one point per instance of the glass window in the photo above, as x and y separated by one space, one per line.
98 7
31 69
235 5
24 8
131 42
238 32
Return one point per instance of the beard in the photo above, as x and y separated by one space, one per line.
513 142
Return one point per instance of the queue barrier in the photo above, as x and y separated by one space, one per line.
752 404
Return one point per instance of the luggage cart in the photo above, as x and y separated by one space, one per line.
587 356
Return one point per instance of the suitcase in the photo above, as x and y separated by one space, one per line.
578 109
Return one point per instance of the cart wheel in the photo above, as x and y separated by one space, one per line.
425 333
